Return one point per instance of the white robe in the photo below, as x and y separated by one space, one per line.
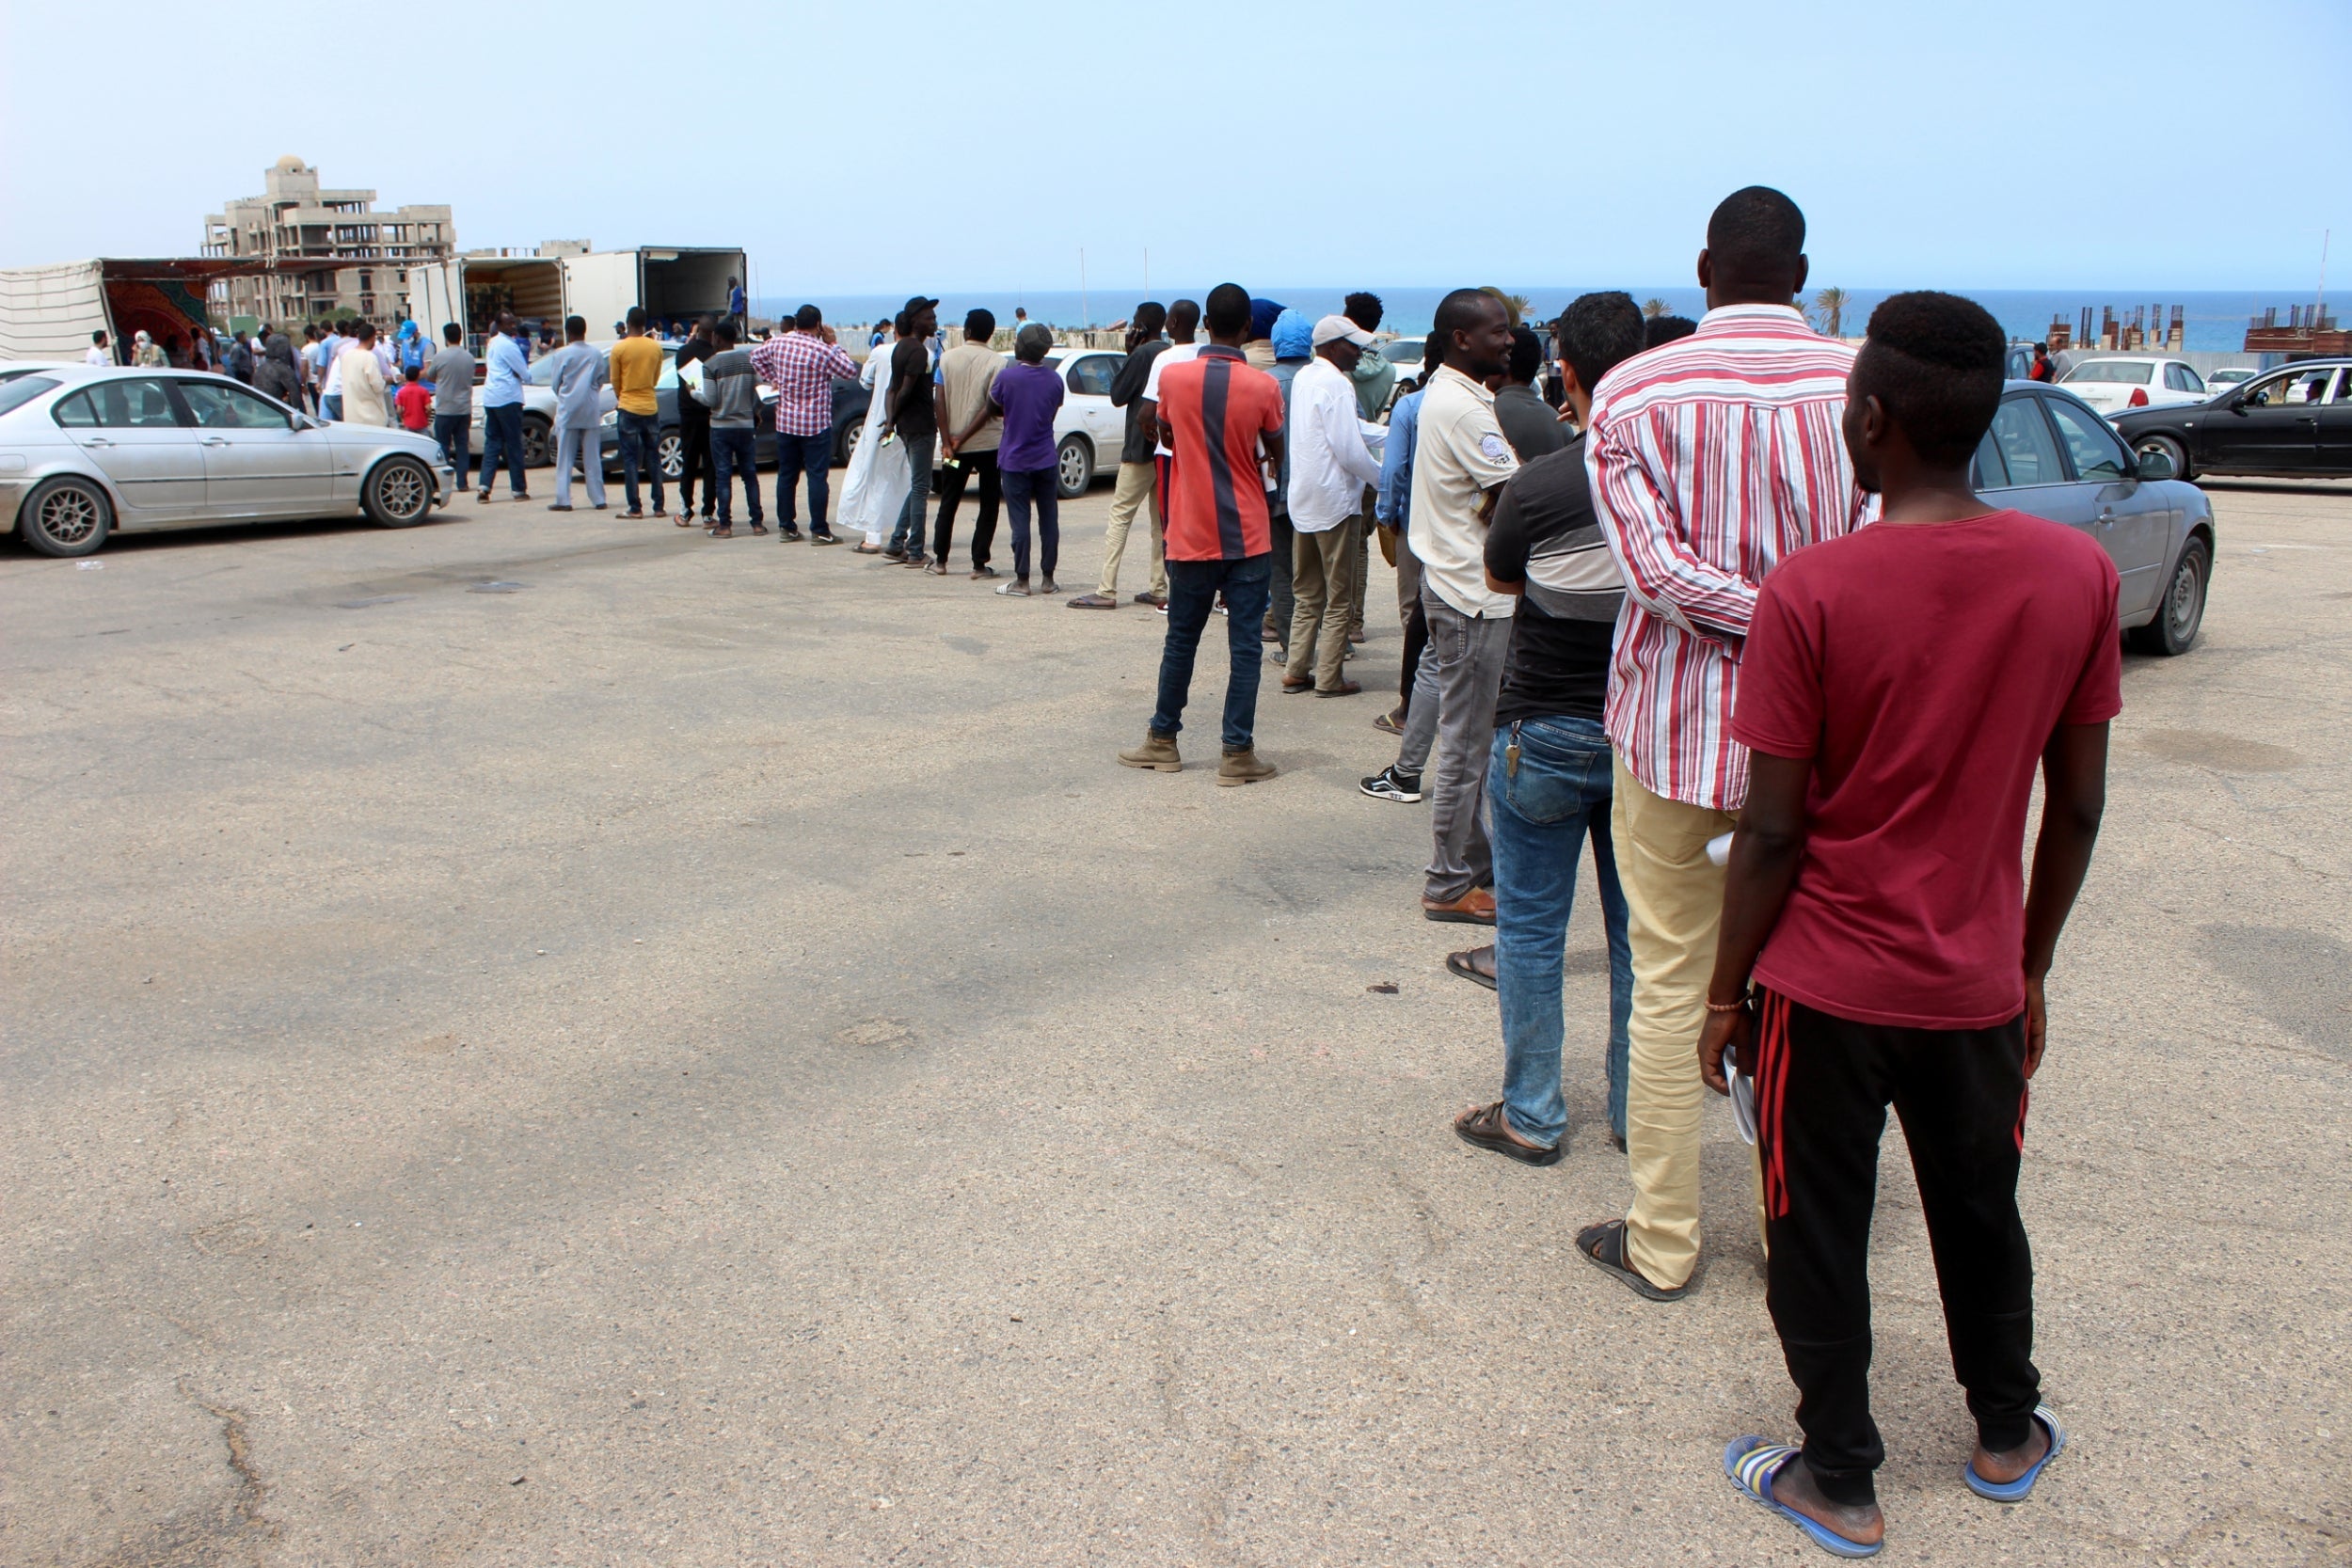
878 476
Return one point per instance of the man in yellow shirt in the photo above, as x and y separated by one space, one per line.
635 367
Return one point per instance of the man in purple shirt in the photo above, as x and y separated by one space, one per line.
1027 394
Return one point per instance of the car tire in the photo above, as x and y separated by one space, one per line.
538 443
2182 611
852 434
67 517
2170 448
1073 466
398 493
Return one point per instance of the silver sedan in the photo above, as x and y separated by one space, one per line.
86 452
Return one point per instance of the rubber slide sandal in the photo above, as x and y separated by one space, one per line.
2017 1490
1751 1463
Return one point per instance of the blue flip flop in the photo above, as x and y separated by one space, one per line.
2018 1490
1751 1463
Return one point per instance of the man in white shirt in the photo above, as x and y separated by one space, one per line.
363 394
1183 317
1330 465
100 352
1460 462
331 372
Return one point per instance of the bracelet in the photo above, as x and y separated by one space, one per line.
1738 1006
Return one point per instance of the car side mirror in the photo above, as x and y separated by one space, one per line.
2155 463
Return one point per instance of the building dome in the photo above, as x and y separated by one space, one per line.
289 165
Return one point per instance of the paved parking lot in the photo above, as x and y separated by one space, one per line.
554 1040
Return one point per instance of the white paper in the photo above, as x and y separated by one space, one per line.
1743 1107
1719 849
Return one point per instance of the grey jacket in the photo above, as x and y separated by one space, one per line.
730 389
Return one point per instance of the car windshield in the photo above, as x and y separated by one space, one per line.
22 390
2224 378
2131 372
1403 353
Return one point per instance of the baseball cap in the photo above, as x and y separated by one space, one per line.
919 303
1331 330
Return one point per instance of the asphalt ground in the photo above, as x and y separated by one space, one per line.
544 1039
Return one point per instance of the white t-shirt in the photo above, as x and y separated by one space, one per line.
1175 354
97 357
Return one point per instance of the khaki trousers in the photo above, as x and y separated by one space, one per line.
1321 583
1133 493
1675 900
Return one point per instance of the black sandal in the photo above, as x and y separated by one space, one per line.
1603 1246
1484 1126
1462 963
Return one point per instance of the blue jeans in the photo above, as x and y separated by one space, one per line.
731 453
503 437
1542 813
1022 486
908 535
1192 590
795 454
641 444
332 408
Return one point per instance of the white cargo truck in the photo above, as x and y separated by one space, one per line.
674 283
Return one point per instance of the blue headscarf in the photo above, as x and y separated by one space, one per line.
1262 314
1294 336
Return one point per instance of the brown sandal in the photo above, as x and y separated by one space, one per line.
1486 1127
1603 1246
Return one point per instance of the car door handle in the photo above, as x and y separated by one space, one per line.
2106 517
97 441
216 441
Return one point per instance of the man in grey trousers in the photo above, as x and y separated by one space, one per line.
1460 463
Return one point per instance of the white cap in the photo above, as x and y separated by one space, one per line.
1330 329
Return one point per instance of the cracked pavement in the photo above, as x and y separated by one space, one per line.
703 1057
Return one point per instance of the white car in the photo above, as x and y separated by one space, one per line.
2113 383
1089 432
2229 376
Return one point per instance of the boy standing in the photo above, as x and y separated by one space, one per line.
414 403
1897 689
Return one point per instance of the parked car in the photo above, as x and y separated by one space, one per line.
87 452
2229 376
2052 454
1405 354
1089 432
2295 422
2113 383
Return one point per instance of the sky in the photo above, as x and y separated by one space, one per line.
1380 142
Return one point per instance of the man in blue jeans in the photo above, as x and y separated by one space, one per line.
503 407
801 362
1223 420
1549 783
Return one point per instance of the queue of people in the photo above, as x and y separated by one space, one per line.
1682 620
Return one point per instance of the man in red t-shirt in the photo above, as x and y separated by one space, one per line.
1898 689
414 401
1224 421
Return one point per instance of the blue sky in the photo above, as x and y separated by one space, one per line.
1988 145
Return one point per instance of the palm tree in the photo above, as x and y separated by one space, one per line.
1654 308
1516 306
1831 303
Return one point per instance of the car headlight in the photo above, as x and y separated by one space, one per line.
612 417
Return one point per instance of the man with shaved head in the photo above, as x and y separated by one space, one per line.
1710 458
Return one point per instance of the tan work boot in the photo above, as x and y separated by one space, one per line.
1243 766
1158 752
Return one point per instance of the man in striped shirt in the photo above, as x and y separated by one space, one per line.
1710 459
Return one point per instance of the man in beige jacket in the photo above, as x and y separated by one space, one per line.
366 399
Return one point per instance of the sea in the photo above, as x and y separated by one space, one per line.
2214 321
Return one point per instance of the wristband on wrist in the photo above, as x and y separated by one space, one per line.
1738 1006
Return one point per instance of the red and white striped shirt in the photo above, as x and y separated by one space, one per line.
802 366
1711 457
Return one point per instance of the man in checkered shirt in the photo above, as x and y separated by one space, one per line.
801 364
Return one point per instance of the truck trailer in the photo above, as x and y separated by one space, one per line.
674 283
49 313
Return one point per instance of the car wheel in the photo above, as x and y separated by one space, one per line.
2170 448
1073 466
538 444
2183 608
398 494
851 436
66 517
670 453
